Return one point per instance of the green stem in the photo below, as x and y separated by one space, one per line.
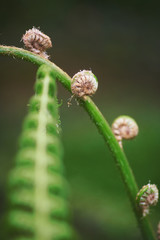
104 129
36 59
122 164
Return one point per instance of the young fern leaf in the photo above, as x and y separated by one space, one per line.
124 127
37 187
147 196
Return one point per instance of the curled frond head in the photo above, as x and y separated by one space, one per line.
124 127
84 83
37 42
146 197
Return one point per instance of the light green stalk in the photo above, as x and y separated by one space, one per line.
38 190
104 129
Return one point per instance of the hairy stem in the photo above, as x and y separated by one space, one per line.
104 129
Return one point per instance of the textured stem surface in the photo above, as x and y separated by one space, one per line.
104 129
122 164
38 191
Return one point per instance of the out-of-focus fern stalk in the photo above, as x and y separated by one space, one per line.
38 191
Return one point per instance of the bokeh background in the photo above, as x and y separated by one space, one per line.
120 42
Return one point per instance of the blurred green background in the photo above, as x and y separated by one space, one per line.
120 42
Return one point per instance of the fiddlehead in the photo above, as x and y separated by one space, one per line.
37 187
84 83
124 127
37 42
146 197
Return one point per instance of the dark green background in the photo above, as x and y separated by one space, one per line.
120 42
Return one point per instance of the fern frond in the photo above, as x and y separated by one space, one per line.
37 187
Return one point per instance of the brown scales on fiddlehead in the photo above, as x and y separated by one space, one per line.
124 127
84 83
37 42
146 197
